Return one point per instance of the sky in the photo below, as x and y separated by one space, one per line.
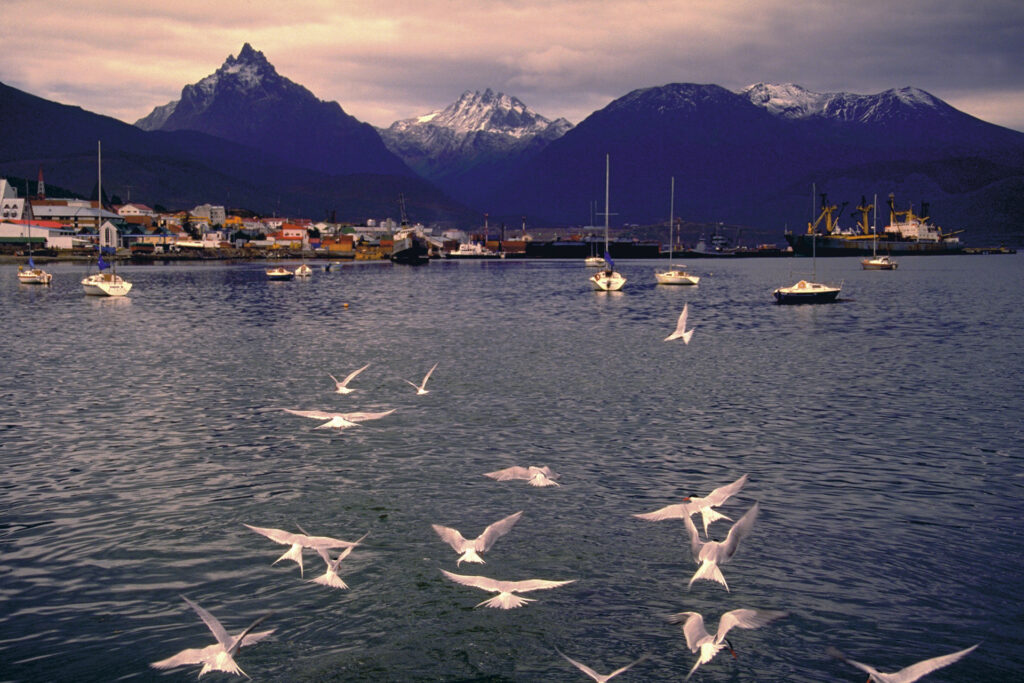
386 60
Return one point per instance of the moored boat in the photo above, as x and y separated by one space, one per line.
33 275
879 262
105 284
804 292
303 271
607 279
674 276
280 273
100 283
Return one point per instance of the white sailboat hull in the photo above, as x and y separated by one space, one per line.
676 277
607 281
34 276
106 284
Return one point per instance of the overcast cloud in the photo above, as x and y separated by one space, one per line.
385 60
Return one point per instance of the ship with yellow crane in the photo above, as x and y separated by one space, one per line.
908 233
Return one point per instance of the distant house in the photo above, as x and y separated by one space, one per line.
126 210
291 236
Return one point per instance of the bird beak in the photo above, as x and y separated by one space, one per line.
731 651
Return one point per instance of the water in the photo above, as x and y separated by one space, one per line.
881 434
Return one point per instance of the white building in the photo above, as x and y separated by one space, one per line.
135 210
55 239
11 207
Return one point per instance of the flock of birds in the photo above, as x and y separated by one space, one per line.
707 554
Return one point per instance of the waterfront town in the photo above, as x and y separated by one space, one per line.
69 229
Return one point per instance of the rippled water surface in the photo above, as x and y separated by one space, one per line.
882 436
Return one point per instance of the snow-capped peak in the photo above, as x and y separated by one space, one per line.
485 111
792 101
787 99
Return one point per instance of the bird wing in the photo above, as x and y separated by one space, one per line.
622 669
315 414
495 531
328 542
333 566
451 536
675 511
723 493
476 581
916 671
279 535
745 618
695 542
429 373
360 416
515 472
738 531
211 623
193 655
581 666
239 640
693 628
680 325
531 585
351 375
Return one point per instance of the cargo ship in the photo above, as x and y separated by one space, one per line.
907 234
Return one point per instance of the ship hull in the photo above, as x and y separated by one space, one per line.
826 245
412 250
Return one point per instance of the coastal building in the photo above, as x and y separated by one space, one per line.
13 207
76 214
211 214
128 210
50 236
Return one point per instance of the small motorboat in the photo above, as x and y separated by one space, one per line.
805 292
280 273
880 262
303 271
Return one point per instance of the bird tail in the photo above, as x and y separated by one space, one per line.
505 601
710 572
330 579
470 556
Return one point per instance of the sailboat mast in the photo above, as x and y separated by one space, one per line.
607 174
874 226
671 219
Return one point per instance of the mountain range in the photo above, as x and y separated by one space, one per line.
246 136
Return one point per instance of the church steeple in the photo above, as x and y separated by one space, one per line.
40 186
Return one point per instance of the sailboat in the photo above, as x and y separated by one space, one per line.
606 279
674 276
805 292
33 275
876 262
104 284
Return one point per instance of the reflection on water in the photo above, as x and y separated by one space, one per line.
881 436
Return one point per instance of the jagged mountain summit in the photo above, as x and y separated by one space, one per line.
488 112
248 102
481 132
